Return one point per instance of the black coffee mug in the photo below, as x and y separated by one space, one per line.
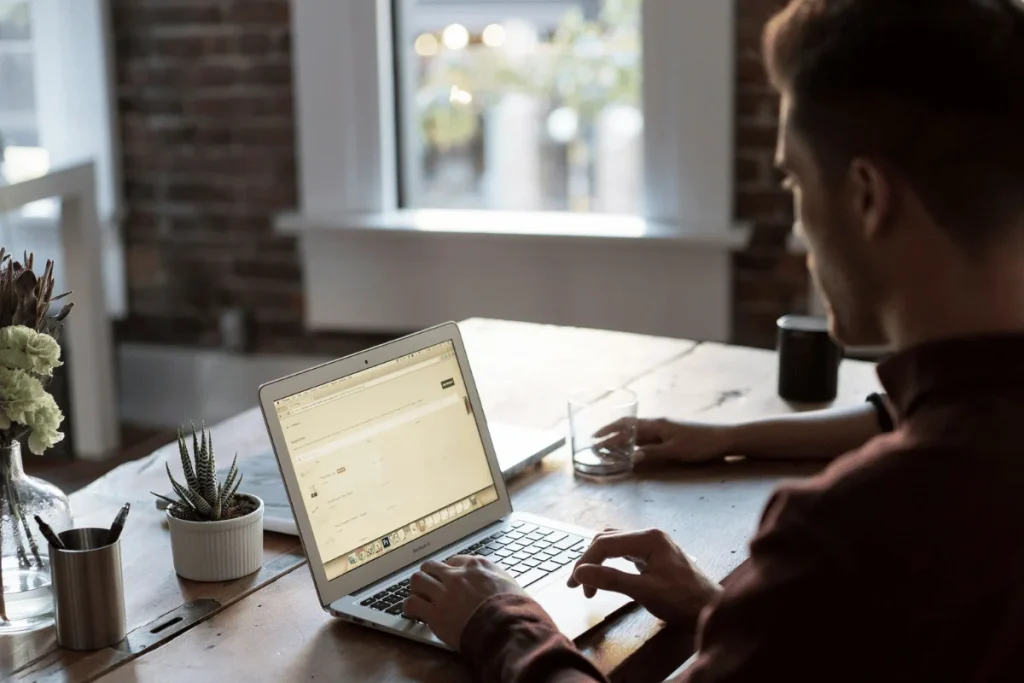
808 360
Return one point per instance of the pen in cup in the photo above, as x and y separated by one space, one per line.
48 534
118 526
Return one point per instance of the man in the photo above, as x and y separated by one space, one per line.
903 144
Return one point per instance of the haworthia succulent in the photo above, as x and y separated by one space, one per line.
202 497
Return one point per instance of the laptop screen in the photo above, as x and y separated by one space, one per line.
385 456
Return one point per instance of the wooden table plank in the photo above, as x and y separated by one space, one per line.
721 383
523 372
711 511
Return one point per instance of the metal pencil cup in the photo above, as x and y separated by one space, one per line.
88 592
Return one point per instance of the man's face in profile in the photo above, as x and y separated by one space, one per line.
838 256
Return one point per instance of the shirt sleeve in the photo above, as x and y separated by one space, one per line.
772 621
511 639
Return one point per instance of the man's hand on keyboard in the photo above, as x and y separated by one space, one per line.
669 585
446 594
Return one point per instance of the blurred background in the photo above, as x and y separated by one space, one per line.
284 181
522 106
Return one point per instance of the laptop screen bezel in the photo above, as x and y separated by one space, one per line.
361 577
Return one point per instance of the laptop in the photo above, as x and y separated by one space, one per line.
387 461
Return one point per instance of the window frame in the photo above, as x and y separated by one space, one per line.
75 98
73 69
348 134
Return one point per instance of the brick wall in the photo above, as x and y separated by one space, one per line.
208 133
768 281
208 137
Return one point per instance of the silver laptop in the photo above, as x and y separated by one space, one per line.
387 461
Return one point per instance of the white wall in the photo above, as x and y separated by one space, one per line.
404 281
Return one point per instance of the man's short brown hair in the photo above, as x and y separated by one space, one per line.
933 89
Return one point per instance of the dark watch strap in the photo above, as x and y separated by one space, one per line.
885 422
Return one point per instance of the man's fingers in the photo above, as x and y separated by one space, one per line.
655 452
636 544
619 440
595 577
425 586
624 424
436 570
460 560
418 608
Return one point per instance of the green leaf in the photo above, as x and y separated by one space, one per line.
171 501
229 480
234 491
185 513
178 488
197 453
210 485
195 440
186 461
194 499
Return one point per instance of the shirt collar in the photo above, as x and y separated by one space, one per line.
952 368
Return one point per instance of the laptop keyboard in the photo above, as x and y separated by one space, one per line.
526 551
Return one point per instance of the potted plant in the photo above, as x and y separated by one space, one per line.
216 532
29 418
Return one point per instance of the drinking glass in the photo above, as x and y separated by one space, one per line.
602 432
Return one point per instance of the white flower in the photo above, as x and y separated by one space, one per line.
24 401
20 394
44 422
23 348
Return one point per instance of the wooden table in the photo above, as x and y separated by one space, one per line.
270 626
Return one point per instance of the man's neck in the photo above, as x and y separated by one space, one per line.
964 302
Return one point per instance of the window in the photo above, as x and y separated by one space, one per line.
520 105
21 155
366 172
362 89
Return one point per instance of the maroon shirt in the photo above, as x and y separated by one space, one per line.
903 561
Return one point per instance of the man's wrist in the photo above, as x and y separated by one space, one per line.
511 637
498 615
732 439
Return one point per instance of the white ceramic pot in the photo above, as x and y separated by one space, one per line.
218 551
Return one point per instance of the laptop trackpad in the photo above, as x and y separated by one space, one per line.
572 612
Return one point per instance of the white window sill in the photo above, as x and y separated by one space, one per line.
575 228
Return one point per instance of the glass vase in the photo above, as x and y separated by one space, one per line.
27 603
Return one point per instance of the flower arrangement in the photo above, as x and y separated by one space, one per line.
29 353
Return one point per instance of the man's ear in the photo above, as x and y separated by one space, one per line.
871 197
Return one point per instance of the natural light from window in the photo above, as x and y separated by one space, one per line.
21 155
521 105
